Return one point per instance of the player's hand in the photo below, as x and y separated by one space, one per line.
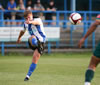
18 41
81 42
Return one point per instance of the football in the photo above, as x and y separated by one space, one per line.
75 18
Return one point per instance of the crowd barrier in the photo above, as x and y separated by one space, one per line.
61 21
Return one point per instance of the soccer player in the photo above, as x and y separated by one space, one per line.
95 59
36 40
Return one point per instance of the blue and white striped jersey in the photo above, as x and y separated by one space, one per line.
36 30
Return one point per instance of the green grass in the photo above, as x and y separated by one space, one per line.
53 69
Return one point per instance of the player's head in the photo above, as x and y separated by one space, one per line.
28 15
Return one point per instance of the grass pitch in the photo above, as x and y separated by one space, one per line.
53 69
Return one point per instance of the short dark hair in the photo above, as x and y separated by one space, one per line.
27 12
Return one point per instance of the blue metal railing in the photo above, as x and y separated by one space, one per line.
60 19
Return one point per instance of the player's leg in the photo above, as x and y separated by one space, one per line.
36 55
35 58
95 60
91 69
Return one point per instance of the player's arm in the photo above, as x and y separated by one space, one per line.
20 35
34 22
90 30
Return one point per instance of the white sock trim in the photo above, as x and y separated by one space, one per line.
87 83
90 69
27 76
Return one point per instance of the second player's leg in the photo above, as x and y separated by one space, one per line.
93 63
91 69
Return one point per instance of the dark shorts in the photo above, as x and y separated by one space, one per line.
40 47
97 51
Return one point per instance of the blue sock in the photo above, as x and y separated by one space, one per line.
31 69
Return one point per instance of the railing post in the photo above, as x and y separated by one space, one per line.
24 2
2 18
49 47
85 30
57 18
65 14
65 19
2 48
71 35
57 44
90 9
